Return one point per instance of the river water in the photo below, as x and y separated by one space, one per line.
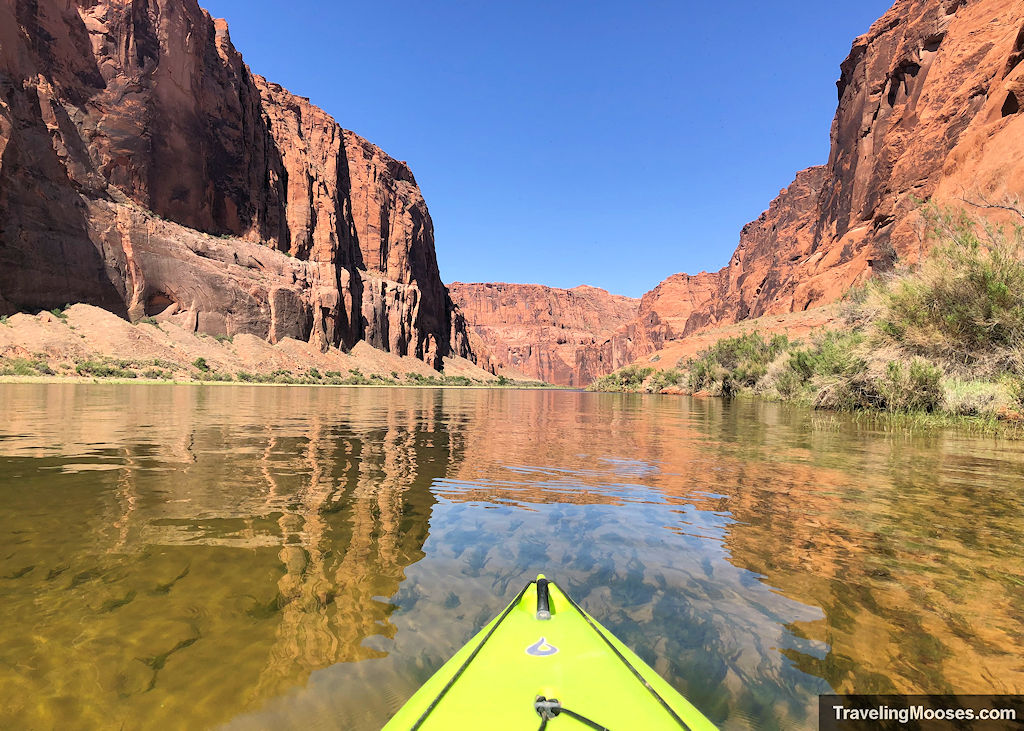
289 557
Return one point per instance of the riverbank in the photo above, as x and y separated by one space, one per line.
82 343
939 343
353 382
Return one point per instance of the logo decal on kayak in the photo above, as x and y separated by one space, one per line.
541 648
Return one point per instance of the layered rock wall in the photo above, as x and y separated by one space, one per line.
540 331
113 112
929 109
402 285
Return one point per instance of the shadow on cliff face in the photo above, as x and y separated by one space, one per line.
195 150
150 108
47 257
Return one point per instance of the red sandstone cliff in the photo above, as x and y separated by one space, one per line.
540 331
929 108
133 137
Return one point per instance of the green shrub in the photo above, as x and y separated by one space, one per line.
914 387
100 369
1014 386
24 367
835 353
789 383
19 367
314 374
420 380
734 363
964 305
201 364
664 379
214 376
630 378
282 376
157 374
457 381
800 370
59 312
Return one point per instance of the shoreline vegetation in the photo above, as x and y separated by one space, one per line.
936 343
115 370
287 379
81 343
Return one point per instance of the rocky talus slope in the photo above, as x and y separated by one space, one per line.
540 331
87 342
929 108
145 170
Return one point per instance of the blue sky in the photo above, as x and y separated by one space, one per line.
572 142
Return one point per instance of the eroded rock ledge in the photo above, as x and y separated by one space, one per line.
144 169
929 109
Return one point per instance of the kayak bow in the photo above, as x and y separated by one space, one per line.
545 661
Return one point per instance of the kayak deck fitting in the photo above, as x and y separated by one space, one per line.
544 663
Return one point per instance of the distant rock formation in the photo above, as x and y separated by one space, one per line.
133 137
929 108
540 331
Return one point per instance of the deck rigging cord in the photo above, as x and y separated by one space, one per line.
548 708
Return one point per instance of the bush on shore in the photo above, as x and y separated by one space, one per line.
630 378
24 367
945 336
101 369
964 306
731 365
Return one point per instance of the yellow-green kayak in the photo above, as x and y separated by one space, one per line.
544 663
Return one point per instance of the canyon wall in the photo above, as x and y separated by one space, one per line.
540 331
929 109
146 170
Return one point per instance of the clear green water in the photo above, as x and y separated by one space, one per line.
197 557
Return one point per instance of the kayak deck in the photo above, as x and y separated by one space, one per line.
544 646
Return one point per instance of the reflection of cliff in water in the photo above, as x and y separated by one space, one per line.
226 530
176 556
909 544
623 514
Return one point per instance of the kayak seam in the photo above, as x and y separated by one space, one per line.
451 682
628 664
